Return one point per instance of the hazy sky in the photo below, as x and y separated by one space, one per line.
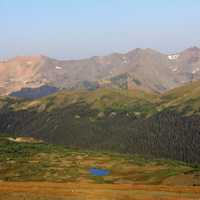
82 28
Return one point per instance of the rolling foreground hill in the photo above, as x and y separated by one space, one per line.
33 170
126 121
144 69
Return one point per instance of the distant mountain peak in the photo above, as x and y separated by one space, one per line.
191 54
140 51
145 68
28 58
193 49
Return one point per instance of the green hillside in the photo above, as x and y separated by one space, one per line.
102 100
109 119
185 99
25 161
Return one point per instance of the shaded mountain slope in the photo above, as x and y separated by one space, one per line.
35 93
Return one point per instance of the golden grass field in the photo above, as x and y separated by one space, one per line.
85 191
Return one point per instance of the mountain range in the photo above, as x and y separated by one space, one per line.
142 102
144 69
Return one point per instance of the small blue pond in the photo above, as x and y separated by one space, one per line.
99 172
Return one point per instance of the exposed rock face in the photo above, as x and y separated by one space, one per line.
20 72
140 68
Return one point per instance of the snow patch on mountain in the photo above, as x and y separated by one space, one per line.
125 61
57 67
175 70
173 57
195 71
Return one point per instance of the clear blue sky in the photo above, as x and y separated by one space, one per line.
82 28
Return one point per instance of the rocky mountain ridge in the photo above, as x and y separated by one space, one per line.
145 69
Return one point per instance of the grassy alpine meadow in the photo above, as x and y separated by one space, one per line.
29 169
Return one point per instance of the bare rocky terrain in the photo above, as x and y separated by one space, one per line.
144 69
